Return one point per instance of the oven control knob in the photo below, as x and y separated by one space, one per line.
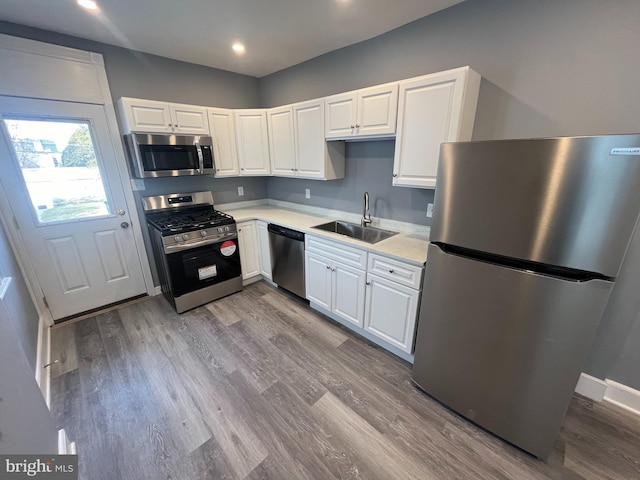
185 237
177 238
220 229
203 233
226 229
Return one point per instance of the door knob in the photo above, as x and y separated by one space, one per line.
121 212
124 224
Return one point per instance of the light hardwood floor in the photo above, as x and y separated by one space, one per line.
258 386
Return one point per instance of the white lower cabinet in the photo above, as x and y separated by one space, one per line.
265 249
249 257
336 287
391 311
374 295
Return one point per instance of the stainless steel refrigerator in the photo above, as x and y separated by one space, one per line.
527 240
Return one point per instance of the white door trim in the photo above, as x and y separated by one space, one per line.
94 72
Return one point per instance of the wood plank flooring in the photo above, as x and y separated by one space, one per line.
258 386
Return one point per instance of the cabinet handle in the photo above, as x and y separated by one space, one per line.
352 127
391 270
328 267
357 126
293 169
395 174
368 283
333 269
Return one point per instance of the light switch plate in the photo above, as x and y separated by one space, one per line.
429 210
241 191
307 193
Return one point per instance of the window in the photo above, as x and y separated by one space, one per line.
60 168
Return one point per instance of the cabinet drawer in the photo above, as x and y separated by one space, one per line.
399 272
337 251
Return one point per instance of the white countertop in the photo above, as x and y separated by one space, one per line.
409 247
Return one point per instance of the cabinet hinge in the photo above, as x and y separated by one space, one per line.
44 300
15 223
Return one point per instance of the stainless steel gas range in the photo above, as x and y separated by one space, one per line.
195 248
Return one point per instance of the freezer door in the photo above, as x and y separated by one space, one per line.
571 202
504 347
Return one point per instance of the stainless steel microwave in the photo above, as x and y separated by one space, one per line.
169 155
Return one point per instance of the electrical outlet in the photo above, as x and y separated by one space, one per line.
429 210
241 191
307 193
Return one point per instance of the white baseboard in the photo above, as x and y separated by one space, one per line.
623 396
609 391
591 387
65 447
158 290
43 357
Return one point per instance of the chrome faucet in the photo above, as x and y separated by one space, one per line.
366 215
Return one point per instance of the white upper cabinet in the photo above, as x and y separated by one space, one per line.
149 116
315 157
225 152
281 141
252 142
369 112
432 109
297 144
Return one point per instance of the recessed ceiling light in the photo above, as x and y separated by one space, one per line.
88 4
238 47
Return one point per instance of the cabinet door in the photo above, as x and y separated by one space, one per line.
377 110
391 311
310 144
265 250
281 141
318 280
253 142
340 118
225 153
348 293
430 111
189 119
248 241
146 116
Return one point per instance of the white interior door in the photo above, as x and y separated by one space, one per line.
60 174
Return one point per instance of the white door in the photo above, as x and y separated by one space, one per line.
340 114
248 241
310 145
265 249
225 153
59 171
281 141
391 311
318 280
348 293
253 142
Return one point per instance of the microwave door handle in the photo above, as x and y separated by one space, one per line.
200 158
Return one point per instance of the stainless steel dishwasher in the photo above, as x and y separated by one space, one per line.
287 258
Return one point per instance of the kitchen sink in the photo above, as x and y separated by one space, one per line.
365 234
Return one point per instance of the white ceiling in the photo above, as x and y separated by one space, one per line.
277 33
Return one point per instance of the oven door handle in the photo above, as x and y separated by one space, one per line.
201 243
200 158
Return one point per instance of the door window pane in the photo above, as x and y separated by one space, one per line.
60 168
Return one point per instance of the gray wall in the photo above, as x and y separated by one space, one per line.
549 68
26 426
369 168
22 316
